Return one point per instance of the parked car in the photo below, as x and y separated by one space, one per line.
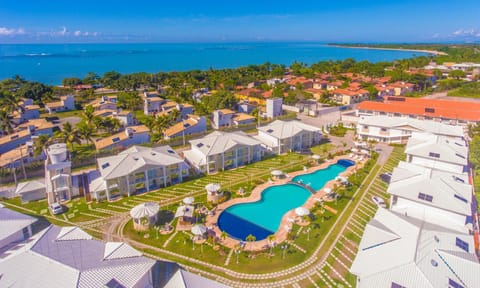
56 208
386 177
379 202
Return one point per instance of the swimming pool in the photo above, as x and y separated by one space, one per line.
263 217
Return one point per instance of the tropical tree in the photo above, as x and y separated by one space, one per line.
41 144
68 135
89 116
271 241
223 235
251 238
109 124
6 123
86 131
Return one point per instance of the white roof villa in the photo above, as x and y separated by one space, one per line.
185 279
400 251
437 152
400 129
284 136
69 257
443 198
124 172
222 150
14 226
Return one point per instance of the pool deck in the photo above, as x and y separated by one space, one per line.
285 224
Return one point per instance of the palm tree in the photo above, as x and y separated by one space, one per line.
251 238
68 135
6 123
89 116
271 240
41 144
174 115
86 131
223 235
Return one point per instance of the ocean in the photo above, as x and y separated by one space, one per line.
50 63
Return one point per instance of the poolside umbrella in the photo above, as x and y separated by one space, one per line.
188 200
212 187
315 157
148 209
302 211
199 230
276 173
328 190
354 150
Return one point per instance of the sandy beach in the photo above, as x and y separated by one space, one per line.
392 49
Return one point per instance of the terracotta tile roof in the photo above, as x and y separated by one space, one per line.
32 107
239 117
226 111
246 92
104 112
14 136
350 92
13 155
54 104
124 112
449 109
107 141
38 123
180 126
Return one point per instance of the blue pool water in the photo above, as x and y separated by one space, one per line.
263 217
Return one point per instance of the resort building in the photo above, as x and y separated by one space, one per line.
24 133
347 97
152 103
58 174
281 137
401 251
104 103
245 107
222 118
434 196
125 117
137 170
274 107
14 227
437 152
17 157
133 135
26 111
69 257
185 279
193 124
399 129
228 118
66 103
221 151
31 190
448 111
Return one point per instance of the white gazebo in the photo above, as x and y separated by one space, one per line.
188 200
199 231
144 215
213 192
277 173
302 211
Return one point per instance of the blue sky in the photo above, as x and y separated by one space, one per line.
59 21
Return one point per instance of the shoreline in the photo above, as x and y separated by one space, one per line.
392 49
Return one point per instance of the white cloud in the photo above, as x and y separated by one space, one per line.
466 33
4 31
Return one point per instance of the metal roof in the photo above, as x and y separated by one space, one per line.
447 150
219 142
12 221
286 129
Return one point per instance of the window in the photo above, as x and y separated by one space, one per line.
425 197
461 244
105 165
453 284
269 131
433 154
460 198
116 139
458 179
430 110
460 155
200 145
395 285
383 129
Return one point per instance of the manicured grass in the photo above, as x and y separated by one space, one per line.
468 90
72 113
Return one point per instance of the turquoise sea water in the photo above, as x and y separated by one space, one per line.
263 217
50 63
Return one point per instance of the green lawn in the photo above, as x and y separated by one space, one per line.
469 90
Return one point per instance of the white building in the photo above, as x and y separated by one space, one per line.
14 227
285 136
400 251
58 174
192 125
69 257
274 107
136 170
31 190
438 197
400 129
185 279
133 135
437 152
66 103
221 151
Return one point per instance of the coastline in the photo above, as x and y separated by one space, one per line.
434 52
